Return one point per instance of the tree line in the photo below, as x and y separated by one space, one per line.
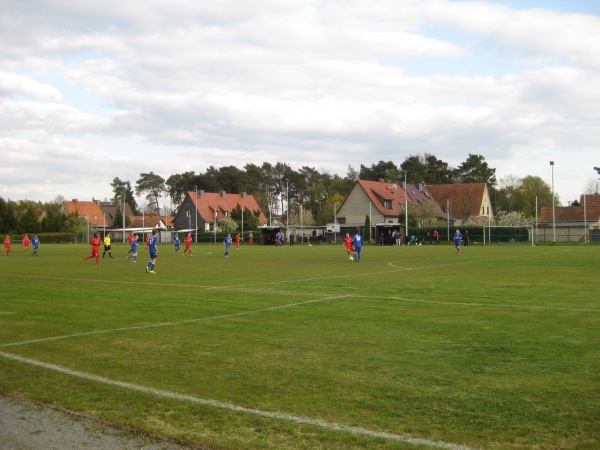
312 193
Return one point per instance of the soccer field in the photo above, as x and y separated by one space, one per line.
413 347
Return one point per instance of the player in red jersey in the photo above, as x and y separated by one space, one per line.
96 241
348 244
188 243
7 245
26 242
238 239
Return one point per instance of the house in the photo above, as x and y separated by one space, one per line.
383 202
200 210
425 208
469 203
100 215
569 224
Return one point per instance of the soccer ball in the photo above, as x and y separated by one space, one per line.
351 258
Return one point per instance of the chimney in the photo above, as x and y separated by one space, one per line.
244 195
223 194
420 187
75 201
201 193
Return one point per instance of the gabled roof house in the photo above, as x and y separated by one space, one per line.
380 200
100 214
200 210
467 202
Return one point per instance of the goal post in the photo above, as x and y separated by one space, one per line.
509 235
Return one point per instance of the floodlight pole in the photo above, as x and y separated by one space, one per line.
553 215
196 206
405 209
123 217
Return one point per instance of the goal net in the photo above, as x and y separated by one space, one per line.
504 235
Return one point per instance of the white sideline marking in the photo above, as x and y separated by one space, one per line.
491 305
233 407
166 324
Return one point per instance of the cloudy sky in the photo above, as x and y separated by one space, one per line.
92 90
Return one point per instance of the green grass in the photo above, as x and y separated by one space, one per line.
497 347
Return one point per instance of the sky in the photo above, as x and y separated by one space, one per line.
94 90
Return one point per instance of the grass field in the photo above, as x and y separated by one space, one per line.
414 347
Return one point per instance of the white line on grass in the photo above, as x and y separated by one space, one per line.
491 305
232 407
166 324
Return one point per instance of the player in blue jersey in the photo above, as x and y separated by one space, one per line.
176 242
35 243
457 240
133 243
153 249
227 244
357 244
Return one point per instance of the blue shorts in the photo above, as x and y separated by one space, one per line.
153 255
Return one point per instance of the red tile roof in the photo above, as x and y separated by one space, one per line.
380 192
465 198
590 200
207 202
570 214
83 209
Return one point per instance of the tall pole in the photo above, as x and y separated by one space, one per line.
585 228
553 216
448 217
405 210
537 239
123 217
196 206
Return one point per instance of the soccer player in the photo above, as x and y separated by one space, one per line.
457 240
357 244
26 242
133 250
95 242
176 242
348 244
227 244
35 243
279 239
132 237
153 249
238 239
7 245
188 244
107 246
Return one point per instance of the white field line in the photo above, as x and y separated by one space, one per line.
166 324
478 305
233 407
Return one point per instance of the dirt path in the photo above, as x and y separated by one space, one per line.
27 426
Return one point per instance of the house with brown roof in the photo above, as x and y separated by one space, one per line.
571 224
99 214
382 201
200 210
469 203
424 206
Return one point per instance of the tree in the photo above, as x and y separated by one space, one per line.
153 186
28 222
227 224
475 170
530 188
250 219
118 219
179 185
383 170
512 219
121 188
8 221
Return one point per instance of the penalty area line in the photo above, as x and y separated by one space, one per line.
231 406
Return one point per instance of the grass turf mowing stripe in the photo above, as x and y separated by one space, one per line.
166 324
235 408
